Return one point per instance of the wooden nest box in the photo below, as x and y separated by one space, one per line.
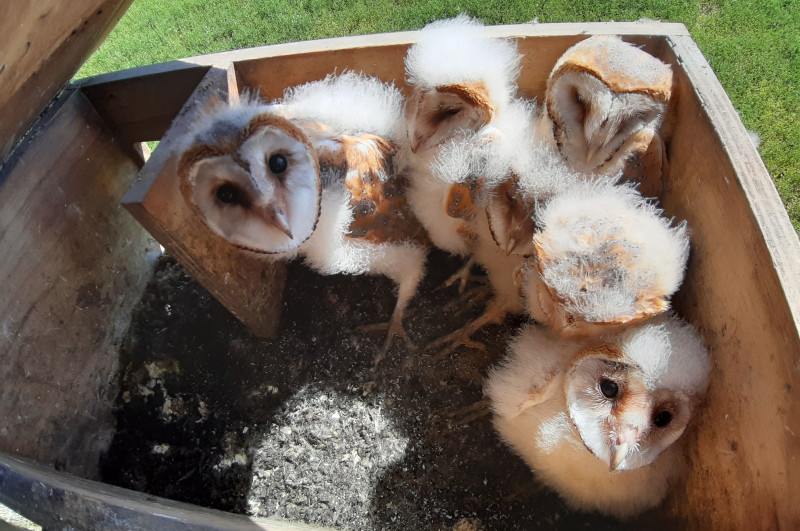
73 262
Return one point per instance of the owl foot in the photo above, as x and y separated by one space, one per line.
468 414
394 328
444 346
494 314
464 275
470 298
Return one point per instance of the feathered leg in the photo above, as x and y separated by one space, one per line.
495 313
405 265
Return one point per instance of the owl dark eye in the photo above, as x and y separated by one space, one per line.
609 388
442 114
229 194
278 163
662 418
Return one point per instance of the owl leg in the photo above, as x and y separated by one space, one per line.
405 265
405 292
494 314
470 298
467 415
463 275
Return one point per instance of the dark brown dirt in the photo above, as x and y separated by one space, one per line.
306 427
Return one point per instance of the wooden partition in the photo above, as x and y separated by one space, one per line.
248 284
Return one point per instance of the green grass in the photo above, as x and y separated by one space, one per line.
752 45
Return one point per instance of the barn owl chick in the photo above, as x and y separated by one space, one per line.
597 420
364 226
502 173
603 257
462 80
604 102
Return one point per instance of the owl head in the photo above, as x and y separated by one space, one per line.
631 397
253 178
462 78
601 92
603 257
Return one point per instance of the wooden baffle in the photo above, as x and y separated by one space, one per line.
73 264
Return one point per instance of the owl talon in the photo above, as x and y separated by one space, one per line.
446 345
469 298
462 276
394 328
467 415
494 314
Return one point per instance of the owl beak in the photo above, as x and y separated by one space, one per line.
619 452
626 439
591 153
419 139
282 223
511 245
275 215
413 131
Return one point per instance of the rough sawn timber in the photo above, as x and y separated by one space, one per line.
73 265
43 44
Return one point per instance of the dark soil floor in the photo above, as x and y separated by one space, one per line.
306 426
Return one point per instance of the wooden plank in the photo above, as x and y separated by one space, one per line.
73 264
140 108
272 74
574 30
247 284
382 55
61 501
44 44
741 290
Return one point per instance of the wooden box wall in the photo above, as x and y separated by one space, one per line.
742 290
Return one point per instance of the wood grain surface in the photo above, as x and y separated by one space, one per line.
73 265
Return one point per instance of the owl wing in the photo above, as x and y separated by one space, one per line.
511 218
461 204
381 213
532 373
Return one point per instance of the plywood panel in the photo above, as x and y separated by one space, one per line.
72 266
140 107
44 44
741 291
